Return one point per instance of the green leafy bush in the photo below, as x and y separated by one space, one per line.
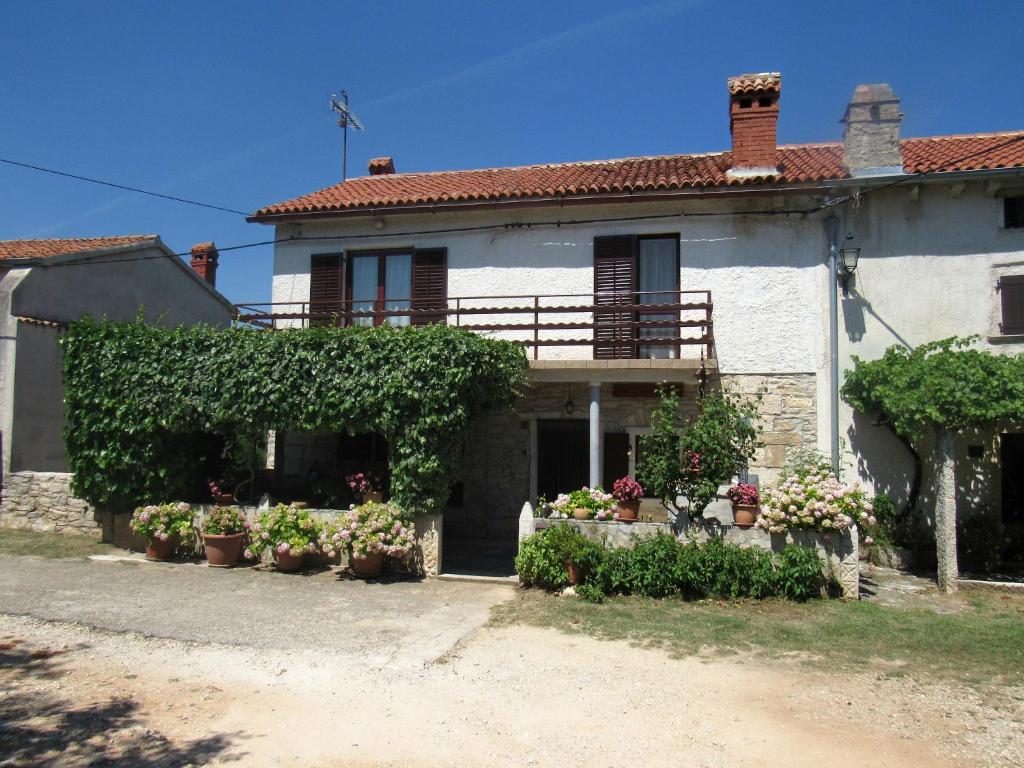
223 521
661 566
284 529
141 400
161 522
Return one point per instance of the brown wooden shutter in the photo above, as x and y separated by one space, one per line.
614 284
326 289
429 286
1011 295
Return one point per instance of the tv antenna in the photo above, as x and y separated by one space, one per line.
346 117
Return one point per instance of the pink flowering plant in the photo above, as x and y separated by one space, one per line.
815 500
223 521
599 504
744 494
160 522
364 482
284 530
368 529
627 489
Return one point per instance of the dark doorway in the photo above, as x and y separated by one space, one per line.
563 456
616 458
1011 461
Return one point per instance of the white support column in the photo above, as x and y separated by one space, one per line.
595 434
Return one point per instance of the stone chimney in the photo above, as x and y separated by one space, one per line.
380 166
204 262
753 120
871 139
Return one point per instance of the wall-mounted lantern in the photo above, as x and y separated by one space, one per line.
848 258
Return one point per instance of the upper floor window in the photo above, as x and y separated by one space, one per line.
633 272
394 287
1013 212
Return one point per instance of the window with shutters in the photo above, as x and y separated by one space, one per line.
630 273
381 285
326 289
1011 300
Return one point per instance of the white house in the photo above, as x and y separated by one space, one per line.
617 274
44 284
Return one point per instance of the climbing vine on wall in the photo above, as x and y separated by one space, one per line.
138 397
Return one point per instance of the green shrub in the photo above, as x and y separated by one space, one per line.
661 566
543 557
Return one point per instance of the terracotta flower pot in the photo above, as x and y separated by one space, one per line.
581 513
159 551
287 562
224 499
366 566
222 549
574 574
375 496
744 515
629 511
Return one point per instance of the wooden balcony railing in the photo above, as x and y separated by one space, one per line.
615 326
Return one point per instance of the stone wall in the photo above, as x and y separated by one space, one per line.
839 552
42 501
789 416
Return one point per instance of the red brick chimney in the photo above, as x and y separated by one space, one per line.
380 166
753 119
204 261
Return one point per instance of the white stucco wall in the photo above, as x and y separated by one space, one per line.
763 272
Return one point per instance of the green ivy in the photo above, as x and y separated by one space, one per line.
140 399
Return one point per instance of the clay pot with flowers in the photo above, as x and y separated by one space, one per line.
628 493
366 485
370 532
219 492
584 504
288 532
165 527
223 534
746 502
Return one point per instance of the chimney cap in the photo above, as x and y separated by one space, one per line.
204 248
755 82
381 166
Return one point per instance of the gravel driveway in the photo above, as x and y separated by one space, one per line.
405 622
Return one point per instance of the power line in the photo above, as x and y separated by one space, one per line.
120 186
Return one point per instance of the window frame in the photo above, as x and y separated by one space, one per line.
678 347
379 300
1017 216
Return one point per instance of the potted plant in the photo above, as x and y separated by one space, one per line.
219 494
289 532
746 502
370 532
164 527
368 485
628 493
584 504
223 534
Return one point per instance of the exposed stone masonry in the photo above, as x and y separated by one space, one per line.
42 501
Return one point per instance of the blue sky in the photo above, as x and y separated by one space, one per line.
226 102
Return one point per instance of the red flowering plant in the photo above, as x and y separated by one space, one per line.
627 489
744 494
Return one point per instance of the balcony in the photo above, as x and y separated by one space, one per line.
663 325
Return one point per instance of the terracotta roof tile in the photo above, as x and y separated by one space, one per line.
39 249
798 163
756 82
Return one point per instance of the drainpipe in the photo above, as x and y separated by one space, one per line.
595 434
832 232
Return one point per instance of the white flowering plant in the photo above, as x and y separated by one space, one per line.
161 522
285 530
815 500
368 529
599 504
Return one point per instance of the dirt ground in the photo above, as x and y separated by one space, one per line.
73 694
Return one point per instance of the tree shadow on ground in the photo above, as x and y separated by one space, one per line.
41 728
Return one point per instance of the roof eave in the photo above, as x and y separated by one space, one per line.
745 190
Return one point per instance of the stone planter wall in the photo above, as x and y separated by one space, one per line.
838 552
42 501
426 553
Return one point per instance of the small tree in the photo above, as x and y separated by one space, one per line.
717 445
941 388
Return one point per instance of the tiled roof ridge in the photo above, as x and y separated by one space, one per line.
133 238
